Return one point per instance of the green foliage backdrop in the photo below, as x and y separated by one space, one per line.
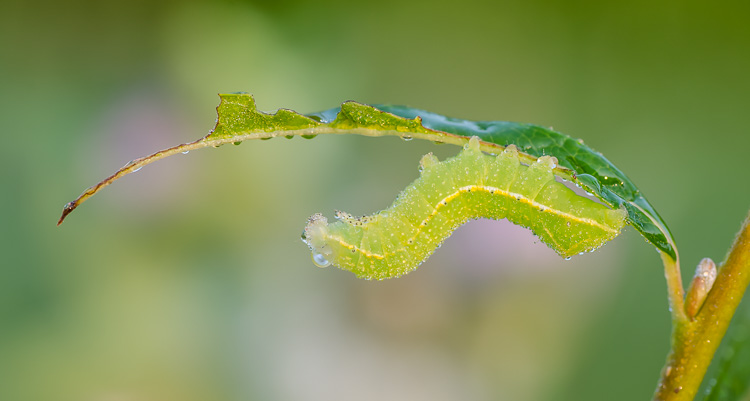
187 280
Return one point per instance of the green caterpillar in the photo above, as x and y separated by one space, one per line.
471 185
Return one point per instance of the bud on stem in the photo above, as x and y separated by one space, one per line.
705 275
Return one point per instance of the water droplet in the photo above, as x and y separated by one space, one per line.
308 136
288 136
185 152
406 137
320 260
239 143
138 169
266 138
568 258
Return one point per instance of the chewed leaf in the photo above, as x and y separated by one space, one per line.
447 194
592 170
239 115
240 120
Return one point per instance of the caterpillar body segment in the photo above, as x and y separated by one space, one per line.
447 194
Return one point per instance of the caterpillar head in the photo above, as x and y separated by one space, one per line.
314 236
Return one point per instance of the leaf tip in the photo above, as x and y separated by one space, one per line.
69 207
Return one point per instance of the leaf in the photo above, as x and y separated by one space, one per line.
731 381
592 170
240 120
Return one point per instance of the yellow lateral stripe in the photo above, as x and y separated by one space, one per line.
466 189
539 206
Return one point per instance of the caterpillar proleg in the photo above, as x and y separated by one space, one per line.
447 194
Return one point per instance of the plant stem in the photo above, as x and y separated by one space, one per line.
695 342
675 291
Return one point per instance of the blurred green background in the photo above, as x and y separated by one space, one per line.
187 280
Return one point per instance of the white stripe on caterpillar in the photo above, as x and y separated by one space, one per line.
469 186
